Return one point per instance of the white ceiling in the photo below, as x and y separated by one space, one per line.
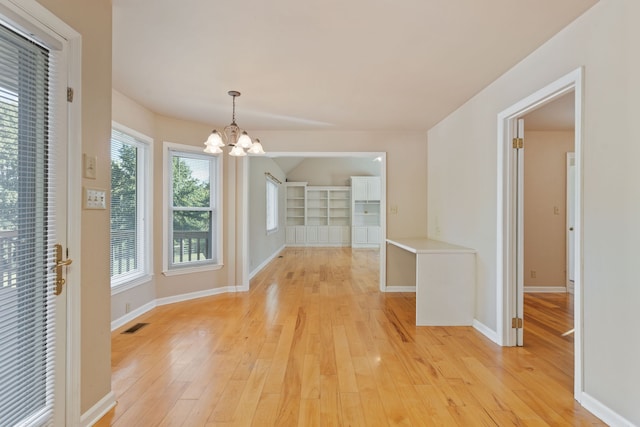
331 64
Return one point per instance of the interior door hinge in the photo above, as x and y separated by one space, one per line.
516 323
518 143
69 94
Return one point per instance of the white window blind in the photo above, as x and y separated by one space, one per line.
272 206
27 233
130 251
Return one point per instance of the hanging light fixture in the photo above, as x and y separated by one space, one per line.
232 136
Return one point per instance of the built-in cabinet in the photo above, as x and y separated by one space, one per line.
295 219
365 211
317 216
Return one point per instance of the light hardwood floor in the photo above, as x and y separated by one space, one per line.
314 343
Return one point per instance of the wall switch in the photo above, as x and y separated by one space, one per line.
393 210
533 274
94 198
90 165
556 210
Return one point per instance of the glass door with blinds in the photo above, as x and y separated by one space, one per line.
32 198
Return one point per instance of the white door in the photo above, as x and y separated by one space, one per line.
571 213
33 204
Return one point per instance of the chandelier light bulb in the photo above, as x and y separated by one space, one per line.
237 151
256 148
214 140
212 149
244 141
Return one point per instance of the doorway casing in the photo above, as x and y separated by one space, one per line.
242 267
509 254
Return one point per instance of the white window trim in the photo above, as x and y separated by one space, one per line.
275 203
166 271
145 275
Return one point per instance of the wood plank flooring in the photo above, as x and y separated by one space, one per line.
314 343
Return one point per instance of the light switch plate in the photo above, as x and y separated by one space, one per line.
90 165
94 198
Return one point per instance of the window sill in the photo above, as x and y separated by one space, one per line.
122 287
189 270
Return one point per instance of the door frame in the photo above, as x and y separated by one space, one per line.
509 259
242 267
32 15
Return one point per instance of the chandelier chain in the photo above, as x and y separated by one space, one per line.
233 115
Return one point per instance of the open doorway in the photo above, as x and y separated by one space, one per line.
322 170
511 223
548 309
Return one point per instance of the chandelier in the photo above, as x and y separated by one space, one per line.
232 136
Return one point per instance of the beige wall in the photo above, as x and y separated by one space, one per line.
463 187
545 201
93 21
263 246
334 171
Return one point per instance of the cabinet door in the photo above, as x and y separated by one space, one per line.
312 234
360 235
373 188
300 234
373 235
346 235
290 235
323 234
359 189
335 234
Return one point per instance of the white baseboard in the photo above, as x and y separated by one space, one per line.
243 288
545 289
98 410
603 412
485 330
400 289
265 262
199 294
121 321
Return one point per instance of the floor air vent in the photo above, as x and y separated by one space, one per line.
135 328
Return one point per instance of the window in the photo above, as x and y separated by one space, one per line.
272 206
130 208
193 223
